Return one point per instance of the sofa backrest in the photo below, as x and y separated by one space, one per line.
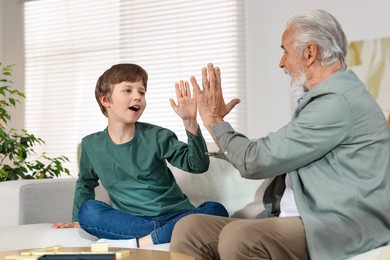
39 201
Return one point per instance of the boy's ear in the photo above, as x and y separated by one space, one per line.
104 101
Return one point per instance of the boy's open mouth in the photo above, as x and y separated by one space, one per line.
135 108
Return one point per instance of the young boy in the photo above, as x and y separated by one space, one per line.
129 158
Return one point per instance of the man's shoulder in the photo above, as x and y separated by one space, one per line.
341 82
340 89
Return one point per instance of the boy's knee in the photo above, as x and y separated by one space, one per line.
215 208
87 206
88 212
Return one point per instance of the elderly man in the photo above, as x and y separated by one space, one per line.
329 168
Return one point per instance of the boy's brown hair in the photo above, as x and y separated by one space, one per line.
118 74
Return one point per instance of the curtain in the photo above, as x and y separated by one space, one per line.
70 43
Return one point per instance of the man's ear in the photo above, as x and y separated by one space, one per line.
310 54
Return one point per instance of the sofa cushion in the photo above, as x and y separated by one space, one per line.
42 235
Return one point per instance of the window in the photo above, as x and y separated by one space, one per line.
70 43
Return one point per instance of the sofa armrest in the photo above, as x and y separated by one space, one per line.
39 201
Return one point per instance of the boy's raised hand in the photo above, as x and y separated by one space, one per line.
186 106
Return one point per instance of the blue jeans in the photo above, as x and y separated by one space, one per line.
103 221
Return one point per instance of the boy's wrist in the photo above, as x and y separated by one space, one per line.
191 126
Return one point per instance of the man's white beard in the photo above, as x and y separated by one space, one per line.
298 86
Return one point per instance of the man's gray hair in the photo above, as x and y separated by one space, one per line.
321 28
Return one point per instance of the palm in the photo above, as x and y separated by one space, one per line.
186 106
212 107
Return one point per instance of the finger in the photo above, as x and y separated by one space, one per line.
187 88
211 72
205 80
57 225
218 85
182 88
231 105
195 86
70 225
178 94
173 104
60 225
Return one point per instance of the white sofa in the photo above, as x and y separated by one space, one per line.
28 207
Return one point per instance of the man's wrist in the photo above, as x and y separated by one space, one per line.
212 121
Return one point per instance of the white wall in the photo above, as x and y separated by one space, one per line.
11 50
268 100
1 29
269 104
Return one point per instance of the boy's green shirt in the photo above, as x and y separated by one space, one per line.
135 174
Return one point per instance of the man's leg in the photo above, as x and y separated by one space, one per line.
198 235
269 238
207 237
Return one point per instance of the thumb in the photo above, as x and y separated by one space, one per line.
232 104
173 104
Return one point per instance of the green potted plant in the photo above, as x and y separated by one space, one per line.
18 160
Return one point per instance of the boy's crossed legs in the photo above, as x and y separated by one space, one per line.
103 221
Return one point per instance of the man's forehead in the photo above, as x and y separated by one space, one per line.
286 38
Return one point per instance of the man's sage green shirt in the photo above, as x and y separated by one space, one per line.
135 174
336 151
